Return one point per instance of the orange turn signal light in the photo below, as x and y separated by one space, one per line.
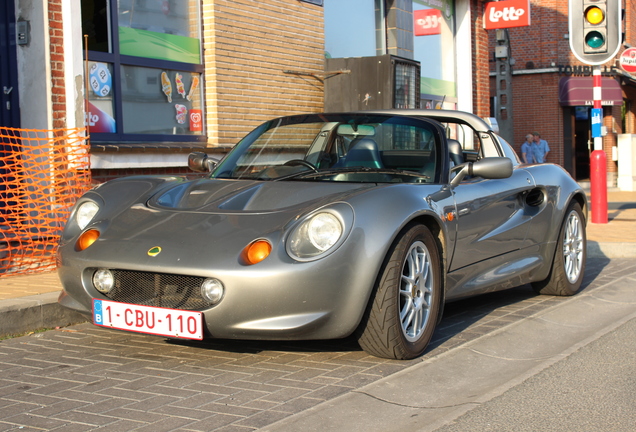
257 251
86 239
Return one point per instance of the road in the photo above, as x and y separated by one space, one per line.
89 378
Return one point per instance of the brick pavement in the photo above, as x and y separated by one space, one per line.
89 378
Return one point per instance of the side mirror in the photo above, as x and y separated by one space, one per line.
199 161
488 168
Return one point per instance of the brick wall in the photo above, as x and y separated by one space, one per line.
544 45
58 92
536 108
481 55
248 45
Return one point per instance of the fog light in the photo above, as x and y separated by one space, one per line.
103 281
212 290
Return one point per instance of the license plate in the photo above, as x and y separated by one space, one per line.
146 319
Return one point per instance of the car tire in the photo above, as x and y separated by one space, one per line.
404 307
568 265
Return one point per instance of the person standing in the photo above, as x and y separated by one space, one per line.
526 150
540 148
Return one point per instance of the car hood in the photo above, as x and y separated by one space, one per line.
201 221
214 196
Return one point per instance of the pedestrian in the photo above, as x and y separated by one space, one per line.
526 150
540 148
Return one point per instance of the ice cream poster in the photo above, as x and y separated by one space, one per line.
167 88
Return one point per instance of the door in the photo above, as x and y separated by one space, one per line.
491 218
9 112
582 141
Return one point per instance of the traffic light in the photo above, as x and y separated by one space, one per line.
595 28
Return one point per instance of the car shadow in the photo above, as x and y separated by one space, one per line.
464 320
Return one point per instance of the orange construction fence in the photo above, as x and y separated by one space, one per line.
42 174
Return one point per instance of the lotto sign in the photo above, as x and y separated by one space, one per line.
427 22
507 14
100 79
628 60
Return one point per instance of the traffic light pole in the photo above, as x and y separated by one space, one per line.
598 159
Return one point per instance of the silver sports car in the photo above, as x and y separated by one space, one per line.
321 226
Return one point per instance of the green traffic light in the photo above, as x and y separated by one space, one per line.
594 39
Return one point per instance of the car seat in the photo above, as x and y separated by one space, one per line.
363 153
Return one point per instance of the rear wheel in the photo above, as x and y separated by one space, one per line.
403 310
568 266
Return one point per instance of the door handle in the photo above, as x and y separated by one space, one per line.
7 90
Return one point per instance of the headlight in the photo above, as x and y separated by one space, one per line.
315 236
85 214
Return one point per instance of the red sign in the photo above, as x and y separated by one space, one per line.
507 14
99 121
628 60
196 120
427 22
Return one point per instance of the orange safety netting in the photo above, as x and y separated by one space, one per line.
42 173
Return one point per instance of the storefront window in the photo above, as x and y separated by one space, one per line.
100 115
145 70
159 29
96 24
159 101
353 21
434 45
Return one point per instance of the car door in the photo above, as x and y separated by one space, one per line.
491 218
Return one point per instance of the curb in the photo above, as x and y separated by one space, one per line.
610 250
25 314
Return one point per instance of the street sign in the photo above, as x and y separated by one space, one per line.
628 60
597 121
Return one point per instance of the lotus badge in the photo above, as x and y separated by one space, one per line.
154 251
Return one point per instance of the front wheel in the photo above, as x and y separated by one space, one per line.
568 266
404 308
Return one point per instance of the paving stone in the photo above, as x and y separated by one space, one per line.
90 378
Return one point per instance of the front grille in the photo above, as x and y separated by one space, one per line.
158 289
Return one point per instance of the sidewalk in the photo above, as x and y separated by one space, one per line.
29 302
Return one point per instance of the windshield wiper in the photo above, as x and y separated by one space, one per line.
322 173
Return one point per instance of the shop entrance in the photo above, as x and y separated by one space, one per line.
581 143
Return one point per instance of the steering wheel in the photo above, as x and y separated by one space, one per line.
302 162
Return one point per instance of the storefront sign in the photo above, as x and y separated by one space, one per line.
579 70
507 14
578 91
427 22
628 60
99 121
196 120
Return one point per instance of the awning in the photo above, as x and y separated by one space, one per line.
577 91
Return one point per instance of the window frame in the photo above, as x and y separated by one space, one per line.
117 60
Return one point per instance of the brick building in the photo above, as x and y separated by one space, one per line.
548 83
237 63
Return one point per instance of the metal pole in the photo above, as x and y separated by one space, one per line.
598 159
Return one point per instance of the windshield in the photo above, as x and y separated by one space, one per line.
338 147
